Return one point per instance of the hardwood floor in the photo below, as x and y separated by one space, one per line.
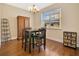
53 48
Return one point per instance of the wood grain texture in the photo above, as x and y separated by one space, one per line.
22 22
53 48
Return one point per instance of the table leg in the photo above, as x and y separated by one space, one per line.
44 43
30 45
33 42
25 44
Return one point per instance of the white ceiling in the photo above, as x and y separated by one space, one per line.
26 5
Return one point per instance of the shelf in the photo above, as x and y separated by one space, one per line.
70 39
5 30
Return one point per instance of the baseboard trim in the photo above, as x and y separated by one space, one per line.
13 38
55 40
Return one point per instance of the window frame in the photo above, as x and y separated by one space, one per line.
49 21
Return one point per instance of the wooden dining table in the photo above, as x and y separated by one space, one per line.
30 31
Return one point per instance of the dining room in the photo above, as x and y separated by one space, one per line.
39 29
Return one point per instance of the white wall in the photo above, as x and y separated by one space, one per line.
0 25
11 14
69 21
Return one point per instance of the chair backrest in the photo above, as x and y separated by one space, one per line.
23 32
43 32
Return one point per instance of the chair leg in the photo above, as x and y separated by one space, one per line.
44 47
33 43
25 47
44 44
39 48
39 43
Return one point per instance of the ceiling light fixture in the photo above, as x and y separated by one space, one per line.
33 9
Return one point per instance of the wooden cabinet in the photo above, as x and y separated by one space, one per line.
22 22
70 39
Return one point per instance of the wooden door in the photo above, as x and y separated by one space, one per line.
21 20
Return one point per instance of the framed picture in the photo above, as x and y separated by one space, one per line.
52 18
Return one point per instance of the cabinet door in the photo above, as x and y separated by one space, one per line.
22 22
21 25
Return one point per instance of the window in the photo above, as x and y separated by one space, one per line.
51 18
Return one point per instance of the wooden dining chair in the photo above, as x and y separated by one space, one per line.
23 35
39 38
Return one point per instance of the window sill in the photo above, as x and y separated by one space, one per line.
55 28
